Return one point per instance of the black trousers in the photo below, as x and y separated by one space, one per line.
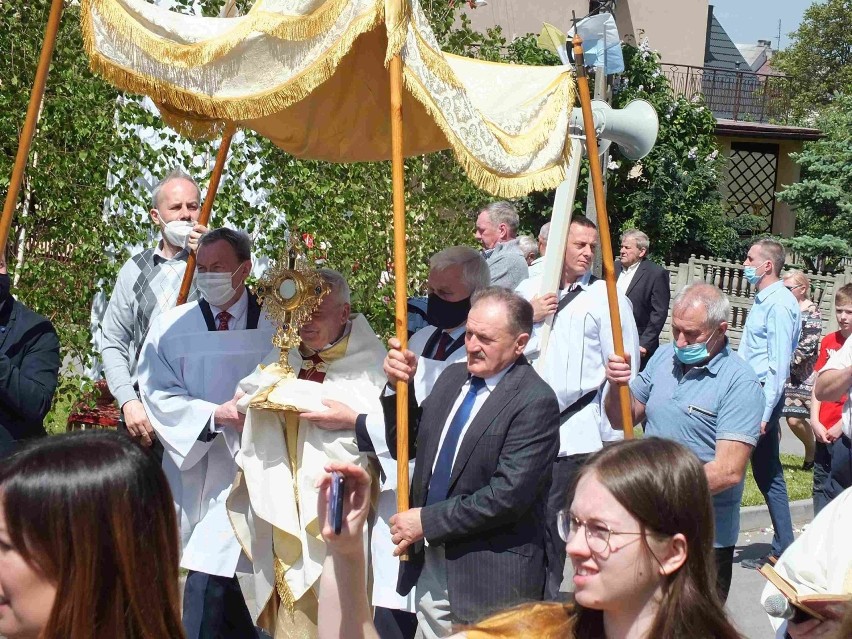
832 471
724 570
559 497
214 608
395 624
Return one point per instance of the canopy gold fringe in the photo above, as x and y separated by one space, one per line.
232 109
499 185
168 53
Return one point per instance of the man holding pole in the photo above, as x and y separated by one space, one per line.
574 366
482 441
147 285
695 391
455 274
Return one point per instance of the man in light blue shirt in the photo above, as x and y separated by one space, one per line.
770 336
695 391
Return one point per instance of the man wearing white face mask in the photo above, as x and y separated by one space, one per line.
189 368
697 392
147 285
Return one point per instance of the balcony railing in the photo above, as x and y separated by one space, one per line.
734 95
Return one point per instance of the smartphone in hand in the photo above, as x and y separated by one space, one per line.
335 502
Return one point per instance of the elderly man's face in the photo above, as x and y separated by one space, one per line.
448 284
490 343
630 253
326 323
689 326
488 233
177 201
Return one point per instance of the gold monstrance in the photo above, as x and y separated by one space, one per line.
291 291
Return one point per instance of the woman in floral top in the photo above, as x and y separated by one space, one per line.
797 391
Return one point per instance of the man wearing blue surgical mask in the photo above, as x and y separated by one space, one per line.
770 336
696 391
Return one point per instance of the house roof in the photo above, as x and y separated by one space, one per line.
754 54
720 51
741 129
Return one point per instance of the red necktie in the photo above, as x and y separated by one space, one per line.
310 371
223 318
443 343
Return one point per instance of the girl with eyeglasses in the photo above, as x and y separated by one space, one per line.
639 534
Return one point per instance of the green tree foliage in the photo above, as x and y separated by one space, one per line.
818 60
55 249
822 199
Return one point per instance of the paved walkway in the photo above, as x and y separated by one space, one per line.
746 585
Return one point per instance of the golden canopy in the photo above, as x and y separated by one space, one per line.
310 76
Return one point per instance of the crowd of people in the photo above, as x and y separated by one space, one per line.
515 430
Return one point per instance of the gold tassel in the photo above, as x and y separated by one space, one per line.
283 588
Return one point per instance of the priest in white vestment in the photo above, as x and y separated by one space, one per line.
274 505
190 365
455 274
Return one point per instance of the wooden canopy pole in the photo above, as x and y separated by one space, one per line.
400 277
28 131
596 178
206 208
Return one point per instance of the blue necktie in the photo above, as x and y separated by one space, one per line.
439 484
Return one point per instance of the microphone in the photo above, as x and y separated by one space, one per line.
779 606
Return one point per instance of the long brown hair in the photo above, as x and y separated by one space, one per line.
92 512
662 484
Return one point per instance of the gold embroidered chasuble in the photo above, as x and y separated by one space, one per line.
273 506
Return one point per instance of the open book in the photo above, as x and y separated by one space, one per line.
820 607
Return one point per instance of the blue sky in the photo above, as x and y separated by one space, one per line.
748 21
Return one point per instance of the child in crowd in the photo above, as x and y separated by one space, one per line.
832 459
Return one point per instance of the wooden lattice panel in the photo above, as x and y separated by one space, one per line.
752 175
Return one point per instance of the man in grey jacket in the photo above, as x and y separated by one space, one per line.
497 231
148 284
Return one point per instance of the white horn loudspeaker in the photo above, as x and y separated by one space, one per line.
633 129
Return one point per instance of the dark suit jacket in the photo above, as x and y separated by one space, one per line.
649 294
29 364
492 523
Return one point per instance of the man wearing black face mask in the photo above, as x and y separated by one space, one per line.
455 274
29 365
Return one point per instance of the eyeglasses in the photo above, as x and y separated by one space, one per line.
597 532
